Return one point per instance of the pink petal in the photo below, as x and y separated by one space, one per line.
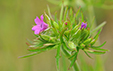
37 27
37 31
44 26
41 17
37 21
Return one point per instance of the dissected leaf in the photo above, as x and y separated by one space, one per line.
98 27
65 13
98 46
73 60
40 49
28 55
94 52
88 54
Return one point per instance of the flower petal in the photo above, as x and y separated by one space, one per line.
41 17
37 21
83 25
44 26
37 32
37 27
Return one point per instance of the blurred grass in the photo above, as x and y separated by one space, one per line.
16 20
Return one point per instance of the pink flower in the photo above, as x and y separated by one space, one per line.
40 25
83 25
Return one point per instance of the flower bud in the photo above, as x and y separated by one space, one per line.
87 41
72 45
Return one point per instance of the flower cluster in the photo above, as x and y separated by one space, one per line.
69 34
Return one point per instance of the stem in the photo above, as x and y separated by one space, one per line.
64 63
76 66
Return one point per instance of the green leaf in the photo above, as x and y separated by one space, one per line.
55 17
98 46
49 12
87 41
65 47
74 21
77 13
94 52
73 60
66 53
47 19
61 14
58 56
56 25
65 13
30 41
37 44
82 17
88 54
98 33
71 14
40 49
98 27
28 55
100 49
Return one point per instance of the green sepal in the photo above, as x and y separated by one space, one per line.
74 30
56 25
76 35
53 39
82 46
46 37
86 34
47 19
58 56
87 41
94 40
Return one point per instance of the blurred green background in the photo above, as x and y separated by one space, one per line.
16 20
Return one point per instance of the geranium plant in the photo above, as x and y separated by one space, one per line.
68 34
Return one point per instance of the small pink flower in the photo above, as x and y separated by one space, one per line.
66 23
40 25
83 25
